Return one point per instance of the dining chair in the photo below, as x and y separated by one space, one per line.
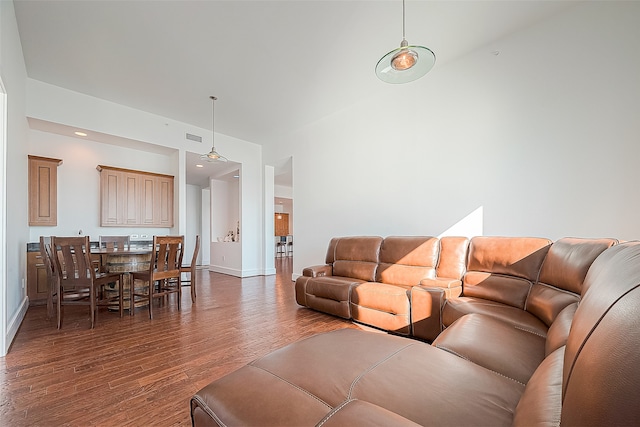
78 283
52 278
111 243
163 276
191 270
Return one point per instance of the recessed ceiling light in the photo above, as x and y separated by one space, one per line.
80 133
199 166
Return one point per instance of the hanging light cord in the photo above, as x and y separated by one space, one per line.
213 122
403 23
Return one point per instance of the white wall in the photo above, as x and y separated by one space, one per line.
543 137
48 103
225 207
79 182
194 223
205 218
13 74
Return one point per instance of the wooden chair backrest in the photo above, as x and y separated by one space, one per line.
194 258
73 260
167 257
47 256
114 242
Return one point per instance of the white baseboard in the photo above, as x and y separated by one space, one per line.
15 322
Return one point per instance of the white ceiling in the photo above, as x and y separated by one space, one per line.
275 66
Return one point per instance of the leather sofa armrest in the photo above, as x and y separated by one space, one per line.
452 287
318 271
427 302
426 312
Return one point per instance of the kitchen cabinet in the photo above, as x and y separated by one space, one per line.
135 199
37 287
43 191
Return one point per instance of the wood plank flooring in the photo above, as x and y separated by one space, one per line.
139 372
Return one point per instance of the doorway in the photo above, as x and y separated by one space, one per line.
283 217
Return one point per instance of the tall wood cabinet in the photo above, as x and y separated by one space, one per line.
135 199
43 191
281 224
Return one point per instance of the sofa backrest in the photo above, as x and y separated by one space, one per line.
593 379
357 257
407 260
562 274
331 251
452 260
503 269
601 369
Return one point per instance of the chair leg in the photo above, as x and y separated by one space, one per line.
50 302
120 294
92 295
151 289
132 298
179 291
59 305
193 285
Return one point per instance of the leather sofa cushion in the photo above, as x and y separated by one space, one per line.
562 274
496 345
503 269
432 387
358 412
407 260
305 382
357 257
458 307
453 257
511 256
508 290
541 402
560 328
384 306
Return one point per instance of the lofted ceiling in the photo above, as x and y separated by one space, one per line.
275 66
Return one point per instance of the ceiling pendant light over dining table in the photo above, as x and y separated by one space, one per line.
406 63
213 156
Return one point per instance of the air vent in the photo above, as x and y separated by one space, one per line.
195 138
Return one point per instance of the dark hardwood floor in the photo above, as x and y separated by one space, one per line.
133 371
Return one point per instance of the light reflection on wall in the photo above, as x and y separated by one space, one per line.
469 226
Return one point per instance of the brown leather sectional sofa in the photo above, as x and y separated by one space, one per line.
420 285
534 333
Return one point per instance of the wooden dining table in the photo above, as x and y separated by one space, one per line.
125 261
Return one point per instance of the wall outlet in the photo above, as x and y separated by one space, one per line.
134 236
144 236
224 258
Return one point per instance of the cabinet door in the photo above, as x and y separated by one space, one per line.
37 286
43 191
135 199
165 205
149 199
111 197
131 206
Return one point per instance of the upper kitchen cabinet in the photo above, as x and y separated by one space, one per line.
43 191
135 199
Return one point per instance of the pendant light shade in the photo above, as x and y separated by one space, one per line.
406 63
213 156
